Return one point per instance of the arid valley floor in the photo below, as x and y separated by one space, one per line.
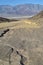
26 38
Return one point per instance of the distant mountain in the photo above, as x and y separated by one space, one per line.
20 10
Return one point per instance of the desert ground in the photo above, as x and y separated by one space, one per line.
26 38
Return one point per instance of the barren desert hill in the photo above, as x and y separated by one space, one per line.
2 19
37 16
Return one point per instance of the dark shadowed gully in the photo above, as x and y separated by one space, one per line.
4 32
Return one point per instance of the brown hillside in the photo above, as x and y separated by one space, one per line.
38 18
39 15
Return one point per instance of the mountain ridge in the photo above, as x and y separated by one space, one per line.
20 10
